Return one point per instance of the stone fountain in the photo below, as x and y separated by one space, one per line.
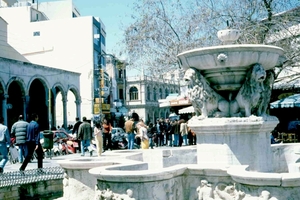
230 87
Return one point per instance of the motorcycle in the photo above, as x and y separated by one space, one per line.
56 149
65 147
119 142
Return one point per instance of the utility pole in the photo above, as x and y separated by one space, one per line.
101 85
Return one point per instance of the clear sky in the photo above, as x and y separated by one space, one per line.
113 13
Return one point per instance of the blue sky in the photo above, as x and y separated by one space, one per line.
112 13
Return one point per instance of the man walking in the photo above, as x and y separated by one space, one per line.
4 140
129 129
33 144
19 130
76 126
85 134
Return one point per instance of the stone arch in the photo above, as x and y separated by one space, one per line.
19 81
40 78
15 90
76 106
60 118
2 97
75 91
37 100
60 88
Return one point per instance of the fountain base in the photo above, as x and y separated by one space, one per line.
235 141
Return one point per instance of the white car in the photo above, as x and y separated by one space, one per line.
118 131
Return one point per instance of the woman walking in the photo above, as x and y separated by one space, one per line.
98 138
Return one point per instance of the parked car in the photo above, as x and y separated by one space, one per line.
118 131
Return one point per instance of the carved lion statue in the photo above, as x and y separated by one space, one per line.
250 96
205 100
266 96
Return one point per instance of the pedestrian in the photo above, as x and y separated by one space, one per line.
19 130
142 134
130 129
151 132
85 136
76 126
168 132
107 128
98 137
157 138
184 132
4 141
33 144
162 132
175 130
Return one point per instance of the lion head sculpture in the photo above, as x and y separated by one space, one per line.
250 95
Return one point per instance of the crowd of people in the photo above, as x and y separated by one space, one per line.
163 133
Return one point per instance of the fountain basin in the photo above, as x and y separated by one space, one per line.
225 67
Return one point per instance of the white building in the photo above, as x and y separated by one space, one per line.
54 34
27 88
143 94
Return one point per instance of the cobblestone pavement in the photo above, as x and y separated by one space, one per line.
47 162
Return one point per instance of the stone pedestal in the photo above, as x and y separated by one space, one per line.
235 141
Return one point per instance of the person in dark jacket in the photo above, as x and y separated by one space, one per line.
76 126
168 134
19 130
85 134
151 133
33 144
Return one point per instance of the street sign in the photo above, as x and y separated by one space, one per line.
105 107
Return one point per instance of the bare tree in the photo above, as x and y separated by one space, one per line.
164 28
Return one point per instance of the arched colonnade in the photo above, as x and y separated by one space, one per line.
27 88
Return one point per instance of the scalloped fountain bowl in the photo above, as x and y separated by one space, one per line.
225 66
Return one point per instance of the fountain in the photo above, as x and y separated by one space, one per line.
230 87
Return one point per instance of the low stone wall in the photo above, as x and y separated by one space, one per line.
284 155
36 190
182 182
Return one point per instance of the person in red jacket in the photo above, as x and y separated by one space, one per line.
107 128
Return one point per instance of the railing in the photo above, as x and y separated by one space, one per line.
30 176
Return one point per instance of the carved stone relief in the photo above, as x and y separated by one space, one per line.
227 192
110 195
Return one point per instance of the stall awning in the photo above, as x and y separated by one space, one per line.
186 110
288 102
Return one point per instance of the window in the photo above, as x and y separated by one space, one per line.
96 31
102 38
154 94
160 93
167 92
133 93
36 33
121 94
148 93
